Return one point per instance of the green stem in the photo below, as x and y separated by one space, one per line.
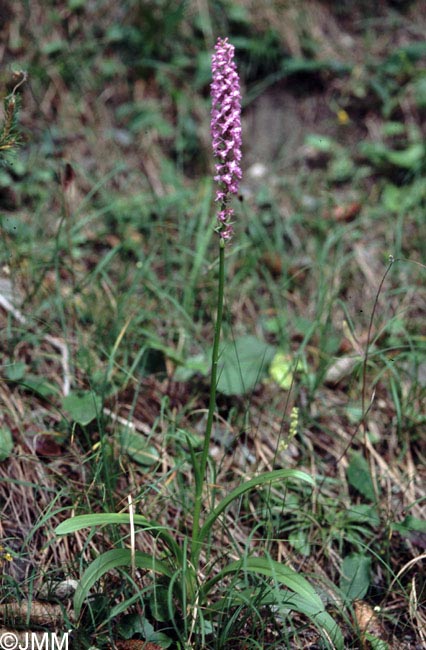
200 472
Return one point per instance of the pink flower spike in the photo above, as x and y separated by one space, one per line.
226 130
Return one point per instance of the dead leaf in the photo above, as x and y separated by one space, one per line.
46 444
368 623
347 213
341 369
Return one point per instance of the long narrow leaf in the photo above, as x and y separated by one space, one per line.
103 519
284 602
302 598
271 569
321 619
111 560
267 477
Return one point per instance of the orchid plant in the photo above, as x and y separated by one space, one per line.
180 569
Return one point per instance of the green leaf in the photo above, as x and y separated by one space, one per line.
79 522
411 52
341 169
321 619
263 479
83 407
363 514
16 371
414 529
6 443
409 158
304 598
133 624
298 539
282 369
113 559
410 525
420 92
304 326
375 643
158 603
135 445
375 152
321 143
73 5
39 385
75 524
196 365
359 476
272 569
242 364
355 579
391 129
54 46
393 197
295 65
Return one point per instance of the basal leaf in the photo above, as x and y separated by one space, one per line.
242 364
39 385
359 477
112 560
75 524
135 445
411 524
414 529
355 579
282 369
16 371
83 407
363 513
